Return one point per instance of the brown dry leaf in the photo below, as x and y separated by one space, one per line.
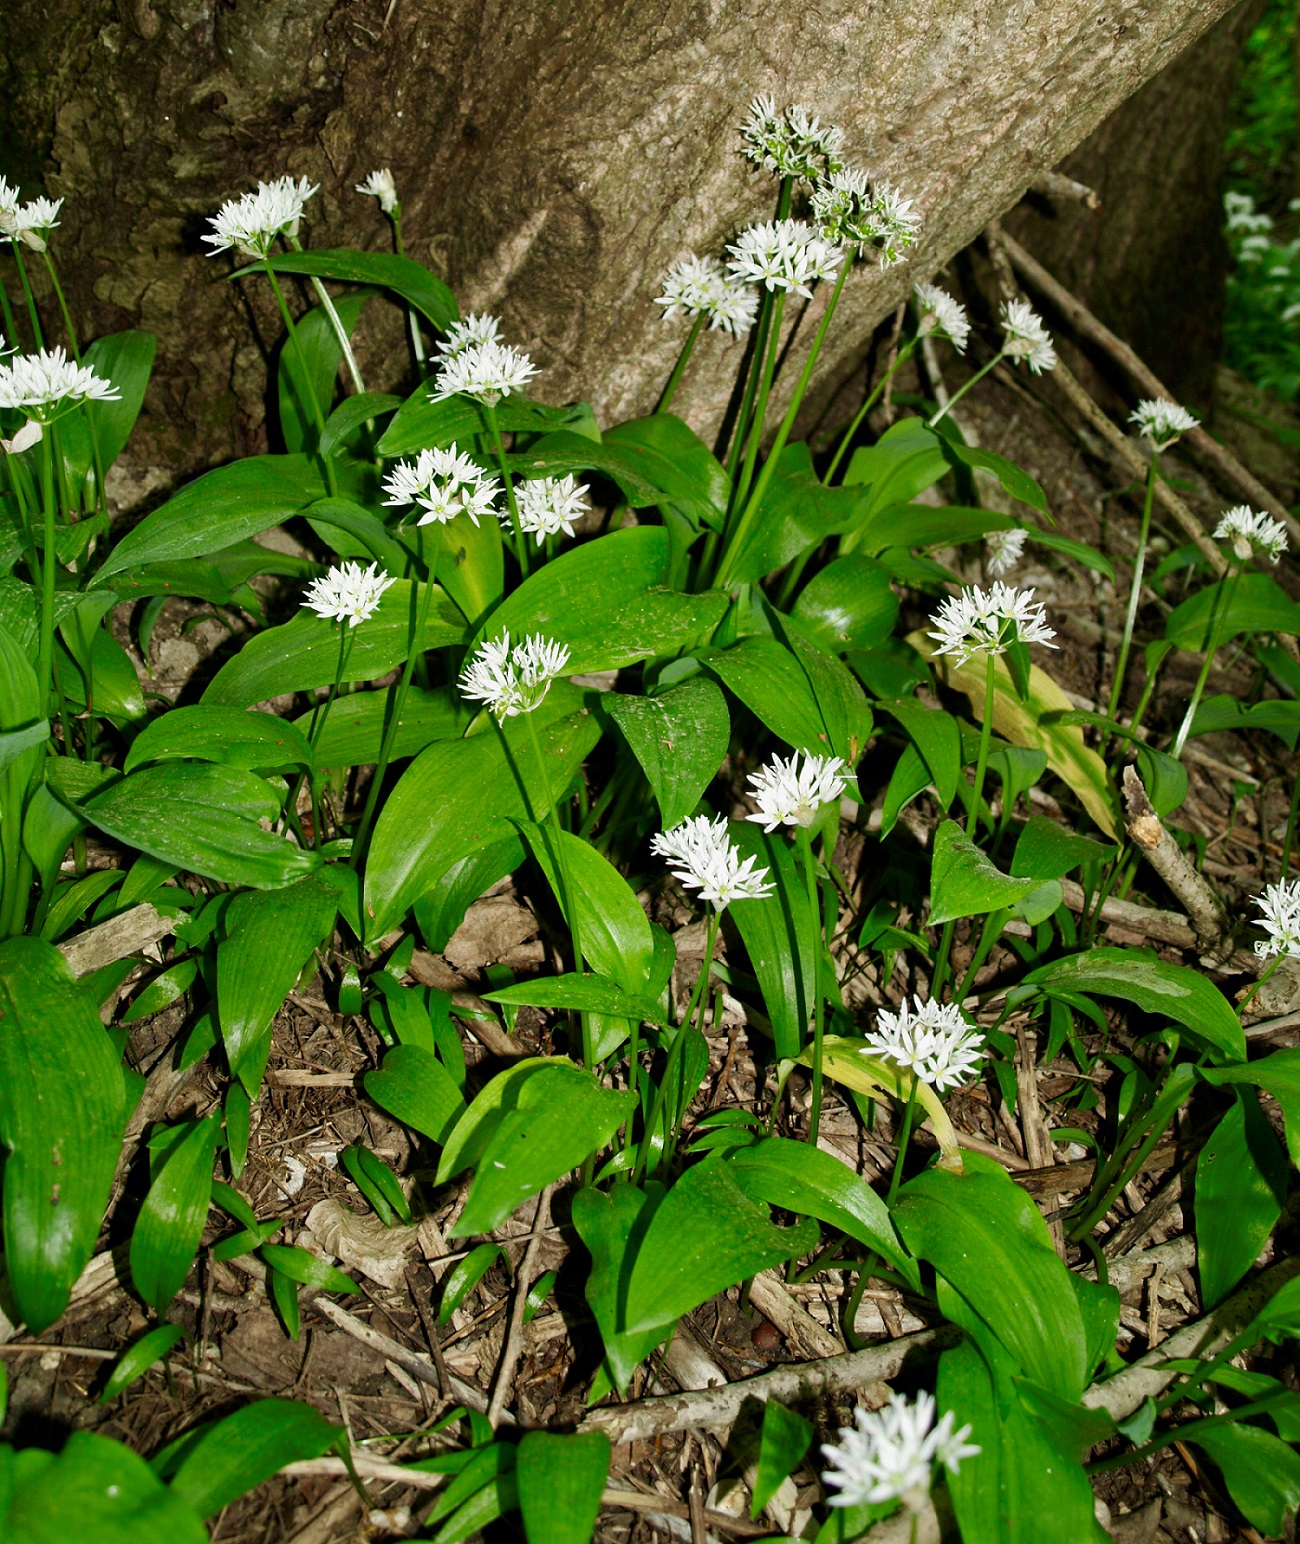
363 1242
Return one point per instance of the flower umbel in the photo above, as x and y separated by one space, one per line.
49 384
32 223
783 254
1280 908
1252 534
548 505
889 1454
699 286
790 143
934 1041
512 681
485 371
348 593
444 483
788 794
1161 421
850 211
380 185
1003 550
252 223
986 621
473 330
941 316
1025 337
704 858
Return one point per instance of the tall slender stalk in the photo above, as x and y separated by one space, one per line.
1139 564
412 321
498 446
6 311
319 718
313 402
966 386
903 355
336 323
804 840
986 735
904 1136
683 358
1224 594
32 313
740 490
49 563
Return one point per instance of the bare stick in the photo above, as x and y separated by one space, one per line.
115 939
1204 908
524 1280
1065 190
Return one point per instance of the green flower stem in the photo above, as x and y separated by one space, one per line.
1176 1434
10 326
319 716
966 386
941 959
901 358
1290 829
49 565
326 462
740 491
1139 564
498 445
568 896
804 840
32 312
683 359
755 499
414 650
1225 594
336 322
63 305
1258 983
904 1136
412 321
986 734
989 935
756 356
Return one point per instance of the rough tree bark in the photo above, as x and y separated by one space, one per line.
553 159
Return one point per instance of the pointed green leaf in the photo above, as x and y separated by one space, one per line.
167 1232
246 1448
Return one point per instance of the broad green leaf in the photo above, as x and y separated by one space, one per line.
465 1276
304 654
126 359
680 738
1278 1073
459 796
351 413
308 368
470 563
1241 1188
1261 1471
1279 1319
97 1490
615 931
937 738
220 576
980 1231
351 735
705 1236
852 1061
1259 605
1154 985
643 475
671 457
779 935
798 512
253 742
422 422
167 1232
964 881
607 1222
927 526
808 1181
133 1363
1045 849
768 678
115 691
905 461
465 1146
499 1496
588 993
1015 481
62 1132
377 1182
403 275
1278 715
218 509
165 988
269 938
561 1478
441 910
353 532
1021 723
246 1448
784 1440
841 702
850 604
204 818
413 1085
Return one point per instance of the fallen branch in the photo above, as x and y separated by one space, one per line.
113 940
1166 927
1061 189
523 1283
1204 909
715 1409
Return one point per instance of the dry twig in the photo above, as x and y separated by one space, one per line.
1145 827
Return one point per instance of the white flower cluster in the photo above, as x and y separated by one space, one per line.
985 621
783 254
471 333
850 211
941 316
1161 421
30 223
252 223
790 143
1280 906
934 1041
512 681
444 483
703 857
380 185
1003 550
788 794
49 384
699 286
1252 532
475 364
348 593
1242 215
548 505
1025 337
889 1454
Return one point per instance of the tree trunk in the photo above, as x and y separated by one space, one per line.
553 160
1151 262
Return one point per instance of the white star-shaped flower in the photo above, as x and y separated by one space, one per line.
941 316
889 1454
32 223
698 286
49 384
1003 550
850 211
1161 421
788 794
348 593
1280 908
1025 337
252 223
380 185
791 143
445 483
548 505
473 331
934 1041
1252 533
783 254
986 621
703 857
485 371
513 681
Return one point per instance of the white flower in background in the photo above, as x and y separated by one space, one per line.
699 286
444 483
940 316
703 857
935 1041
380 185
1003 550
850 211
548 505
251 224
1025 337
889 1454
474 330
512 681
49 384
790 143
788 794
1242 216
8 208
485 371
1280 906
985 621
1253 248
1252 533
1161 421
348 593
783 254
33 223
